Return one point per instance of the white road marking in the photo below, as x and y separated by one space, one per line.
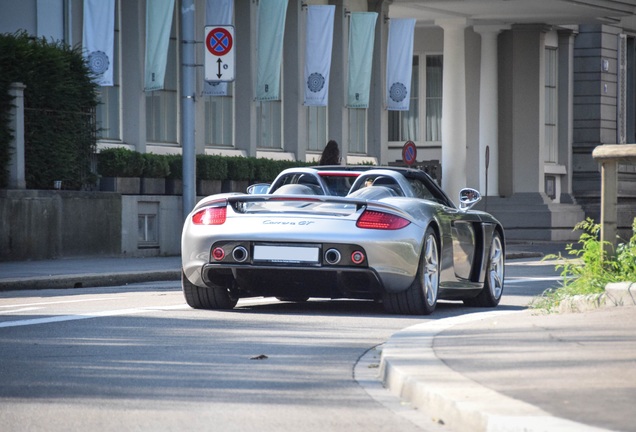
26 309
531 279
62 318
61 302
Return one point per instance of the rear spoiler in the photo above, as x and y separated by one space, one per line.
235 200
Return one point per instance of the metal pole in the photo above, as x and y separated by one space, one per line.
188 74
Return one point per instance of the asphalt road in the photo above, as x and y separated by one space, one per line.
137 358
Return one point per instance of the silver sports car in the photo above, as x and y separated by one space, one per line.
396 237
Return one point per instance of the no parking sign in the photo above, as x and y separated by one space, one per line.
219 53
409 153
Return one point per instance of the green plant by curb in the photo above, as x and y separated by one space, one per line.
592 269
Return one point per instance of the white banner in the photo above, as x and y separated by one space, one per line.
217 12
399 64
99 39
318 46
158 27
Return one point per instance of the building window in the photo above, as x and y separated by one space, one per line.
357 130
147 225
404 125
317 127
269 124
219 119
434 69
108 109
162 119
551 106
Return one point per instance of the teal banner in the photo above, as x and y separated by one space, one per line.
361 39
158 27
271 29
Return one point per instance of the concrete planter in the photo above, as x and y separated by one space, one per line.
174 186
208 187
122 185
234 185
153 186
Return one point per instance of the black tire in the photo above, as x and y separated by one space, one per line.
421 297
491 294
203 297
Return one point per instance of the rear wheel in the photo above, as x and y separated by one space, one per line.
490 295
421 297
203 297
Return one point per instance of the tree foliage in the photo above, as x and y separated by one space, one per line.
60 99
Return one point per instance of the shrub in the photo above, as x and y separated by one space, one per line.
175 162
120 162
211 167
155 166
59 99
593 269
265 170
239 168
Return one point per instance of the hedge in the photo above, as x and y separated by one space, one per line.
59 99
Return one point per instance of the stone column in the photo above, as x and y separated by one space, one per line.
454 107
528 108
489 109
566 91
16 158
377 115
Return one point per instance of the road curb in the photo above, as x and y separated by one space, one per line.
410 369
88 280
616 294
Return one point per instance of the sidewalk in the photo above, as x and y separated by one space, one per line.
108 271
87 272
500 370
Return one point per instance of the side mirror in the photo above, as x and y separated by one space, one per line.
258 188
468 198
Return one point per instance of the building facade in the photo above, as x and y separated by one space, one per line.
509 97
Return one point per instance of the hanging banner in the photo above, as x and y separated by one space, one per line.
99 39
361 40
318 46
158 27
271 29
399 64
217 12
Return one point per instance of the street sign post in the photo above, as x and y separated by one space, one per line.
219 53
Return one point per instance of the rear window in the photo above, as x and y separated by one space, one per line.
338 185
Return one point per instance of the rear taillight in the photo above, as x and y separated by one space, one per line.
210 216
383 221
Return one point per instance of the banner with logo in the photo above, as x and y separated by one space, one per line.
217 12
271 29
361 39
399 64
99 39
158 27
318 46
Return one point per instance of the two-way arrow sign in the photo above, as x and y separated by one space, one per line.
219 49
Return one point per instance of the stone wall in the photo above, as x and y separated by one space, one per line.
43 224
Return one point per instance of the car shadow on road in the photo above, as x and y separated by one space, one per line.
348 307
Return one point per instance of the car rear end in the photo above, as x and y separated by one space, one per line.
314 246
